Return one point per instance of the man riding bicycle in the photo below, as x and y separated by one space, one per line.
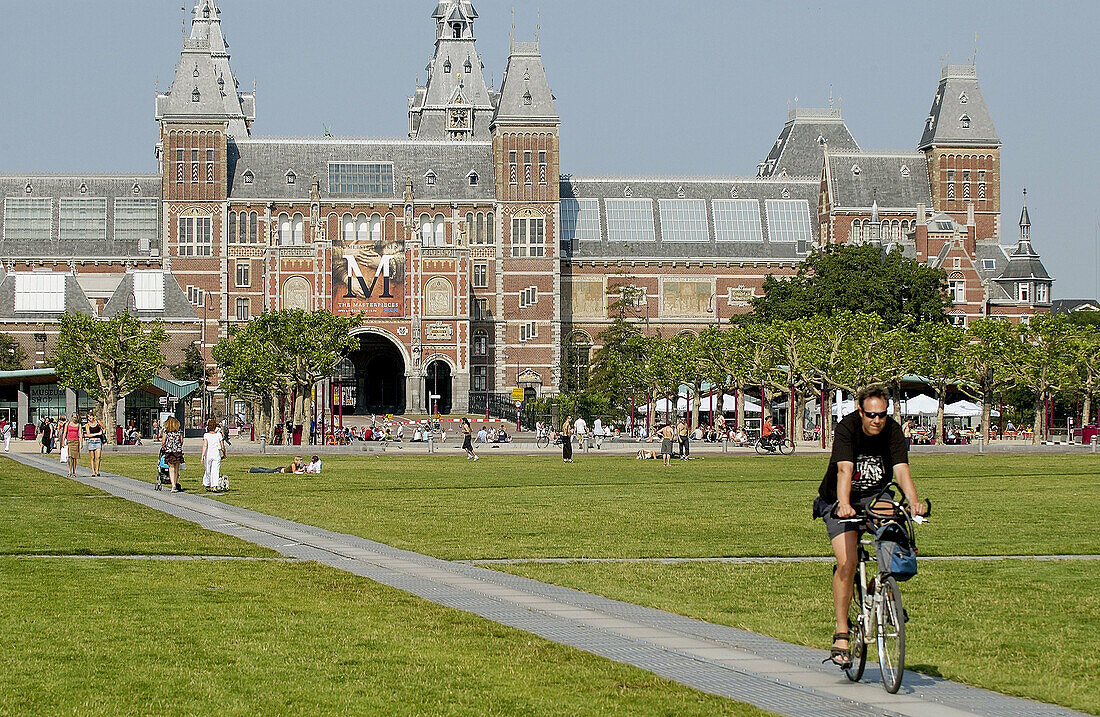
869 451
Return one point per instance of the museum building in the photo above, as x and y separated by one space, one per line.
473 258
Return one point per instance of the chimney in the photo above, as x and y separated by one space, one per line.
921 218
970 214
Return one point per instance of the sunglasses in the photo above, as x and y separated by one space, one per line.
874 414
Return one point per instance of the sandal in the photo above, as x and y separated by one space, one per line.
840 656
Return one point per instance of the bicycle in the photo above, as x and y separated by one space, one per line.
543 440
777 442
876 610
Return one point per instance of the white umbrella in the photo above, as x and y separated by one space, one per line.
966 409
919 405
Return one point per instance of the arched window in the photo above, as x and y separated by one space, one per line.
482 237
376 228
284 229
231 228
481 344
299 229
578 355
440 239
362 228
253 227
857 235
471 234
349 228
490 235
426 230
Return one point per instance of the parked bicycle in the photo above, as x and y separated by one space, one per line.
546 438
777 442
876 612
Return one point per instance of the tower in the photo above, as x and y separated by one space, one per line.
1025 280
963 151
525 131
454 103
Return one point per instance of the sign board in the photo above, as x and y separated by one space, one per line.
517 394
519 404
438 332
164 400
368 270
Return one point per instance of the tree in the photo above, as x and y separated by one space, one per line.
1086 362
987 361
12 355
861 279
192 367
727 356
1044 362
938 356
108 359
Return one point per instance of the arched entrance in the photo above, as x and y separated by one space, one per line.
437 382
379 376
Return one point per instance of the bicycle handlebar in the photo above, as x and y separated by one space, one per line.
865 514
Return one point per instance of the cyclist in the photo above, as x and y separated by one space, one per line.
767 432
869 451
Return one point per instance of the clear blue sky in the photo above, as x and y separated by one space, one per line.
643 87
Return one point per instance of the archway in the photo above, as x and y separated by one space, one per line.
379 376
437 382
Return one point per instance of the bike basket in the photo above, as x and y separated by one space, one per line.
895 552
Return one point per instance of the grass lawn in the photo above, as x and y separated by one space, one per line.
520 506
1022 627
41 513
104 636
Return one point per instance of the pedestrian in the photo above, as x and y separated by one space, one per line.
172 445
685 439
5 433
46 435
567 440
580 429
70 442
666 433
907 431
93 441
468 439
213 450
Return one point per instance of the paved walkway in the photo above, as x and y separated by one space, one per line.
744 666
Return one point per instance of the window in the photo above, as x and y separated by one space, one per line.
291 177
945 225
241 227
1042 293
481 344
580 220
40 291
244 274
440 235
249 177
528 331
529 236
527 174
956 262
83 219
1024 291
542 167
630 220
194 165
210 165
149 290
684 220
481 310
196 296
362 228
374 178
284 229
242 309
789 221
473 179
299 229
429 179
958 291
528 297
577 359
481 378
512 167
950 184
964 121
194 236
28 219
481 276
989 264
737 220
959 320
376 227
426 230
179 165
857 231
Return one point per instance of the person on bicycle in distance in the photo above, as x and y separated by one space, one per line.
767 431
869 451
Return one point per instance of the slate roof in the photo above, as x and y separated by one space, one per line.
897 180
525 94
957 96
55 186
176 305
204 66
798 151
1068 306
75 301
269 160
708 189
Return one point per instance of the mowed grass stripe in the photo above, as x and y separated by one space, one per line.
1026 628
512 507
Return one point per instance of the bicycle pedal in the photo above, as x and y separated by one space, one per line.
905 614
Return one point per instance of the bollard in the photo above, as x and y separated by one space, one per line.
431 443
263 444
1094 443
981 445
725 446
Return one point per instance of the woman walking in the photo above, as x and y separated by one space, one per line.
93 441
213 450
47 436
468 439
70 441
172 445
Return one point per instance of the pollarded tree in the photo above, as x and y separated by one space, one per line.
727 355
1044 363
989 361
1086 362
251 370
938 357
108 358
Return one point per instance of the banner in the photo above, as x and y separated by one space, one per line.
368 277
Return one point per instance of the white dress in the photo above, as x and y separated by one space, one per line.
213 462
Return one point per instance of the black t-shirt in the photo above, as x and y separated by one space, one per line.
874 457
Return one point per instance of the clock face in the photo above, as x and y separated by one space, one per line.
459 119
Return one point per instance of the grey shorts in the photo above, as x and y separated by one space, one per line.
837 526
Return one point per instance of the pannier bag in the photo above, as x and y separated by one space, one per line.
895 552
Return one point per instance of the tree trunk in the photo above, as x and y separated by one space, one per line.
1040 418
895 391
110 410
827 423
698 387
1086 409
799 433
651 412
939 416
739 409
987 411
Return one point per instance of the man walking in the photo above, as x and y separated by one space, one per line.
567 440
682 434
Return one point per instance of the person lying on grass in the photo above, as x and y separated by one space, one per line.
296 467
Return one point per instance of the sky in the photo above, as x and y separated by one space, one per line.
644 88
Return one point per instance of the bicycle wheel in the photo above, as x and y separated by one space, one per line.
786 446
891 635
759 446
542 441
857 640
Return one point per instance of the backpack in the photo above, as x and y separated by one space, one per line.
895 551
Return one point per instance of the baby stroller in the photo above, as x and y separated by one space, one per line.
162 473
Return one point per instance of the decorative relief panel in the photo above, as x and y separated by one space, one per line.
296 294
685 298
439 297
589 298
740 296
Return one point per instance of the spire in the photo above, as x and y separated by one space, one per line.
959 116
876 223
1023 246
525 94
205 86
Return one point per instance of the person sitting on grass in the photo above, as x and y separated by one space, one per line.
297 466
314 465
646 454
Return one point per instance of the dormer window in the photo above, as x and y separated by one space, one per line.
206 12
28 189
963 99
856 170
291 177
195 96
468 68
527 97
965 121
821 139
429 178
136 190
457 30
905 170
221 82
83 188
447 66
249 177
196 72
473 177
